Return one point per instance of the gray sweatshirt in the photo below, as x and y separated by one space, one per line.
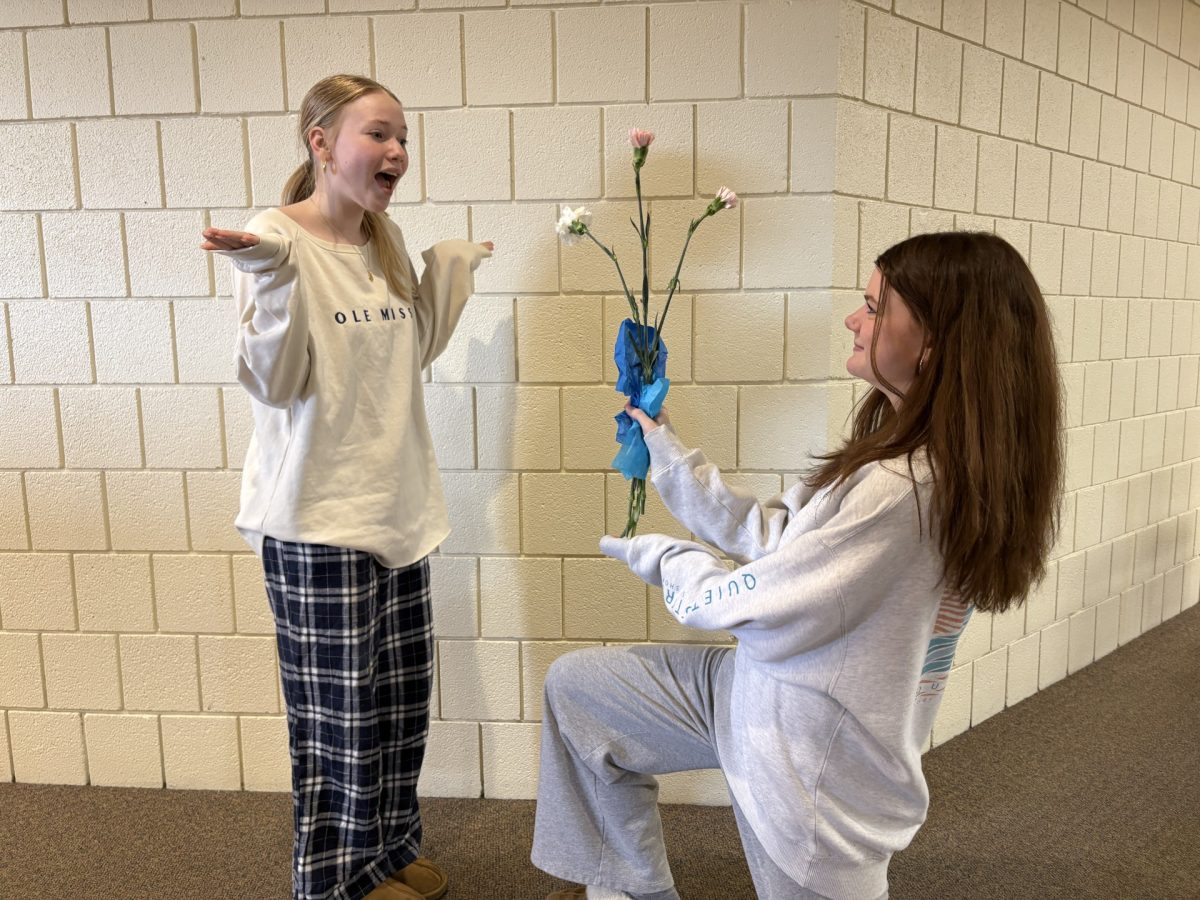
332 360
845 639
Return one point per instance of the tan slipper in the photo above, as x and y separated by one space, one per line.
424 876
391 890
569 893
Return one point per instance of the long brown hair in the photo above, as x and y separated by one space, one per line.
322 106
984 405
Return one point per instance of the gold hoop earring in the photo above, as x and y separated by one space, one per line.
324 165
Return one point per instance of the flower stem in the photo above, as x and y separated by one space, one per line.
637 506
675 281
624 286
637 183
645 352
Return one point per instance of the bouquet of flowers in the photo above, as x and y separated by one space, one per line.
640 354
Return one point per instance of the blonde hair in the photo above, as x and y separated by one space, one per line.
322 107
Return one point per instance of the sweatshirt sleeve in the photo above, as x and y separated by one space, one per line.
729 518
272 341
803 595
446 285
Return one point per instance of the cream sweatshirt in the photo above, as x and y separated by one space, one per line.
843 632
341 452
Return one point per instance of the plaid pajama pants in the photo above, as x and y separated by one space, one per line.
356 654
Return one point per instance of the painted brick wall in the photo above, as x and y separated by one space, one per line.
136 645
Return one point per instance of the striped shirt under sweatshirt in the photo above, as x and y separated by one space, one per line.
332 360
843 627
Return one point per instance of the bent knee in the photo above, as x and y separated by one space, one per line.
573 676
566 672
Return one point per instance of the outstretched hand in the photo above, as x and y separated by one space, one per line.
220 239
648 424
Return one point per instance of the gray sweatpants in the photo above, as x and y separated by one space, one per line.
613 718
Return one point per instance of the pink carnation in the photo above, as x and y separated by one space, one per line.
728 197
639 138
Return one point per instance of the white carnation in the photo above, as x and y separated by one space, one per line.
568 218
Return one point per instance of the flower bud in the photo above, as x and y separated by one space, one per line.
725 199
639 138
640 141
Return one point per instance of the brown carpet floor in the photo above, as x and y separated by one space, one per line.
1090 789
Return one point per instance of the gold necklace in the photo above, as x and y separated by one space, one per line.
338 236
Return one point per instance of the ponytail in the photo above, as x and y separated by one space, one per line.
300 185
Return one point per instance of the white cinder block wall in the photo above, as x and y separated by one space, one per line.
136 645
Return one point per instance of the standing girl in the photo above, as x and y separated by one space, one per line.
851 591
340 493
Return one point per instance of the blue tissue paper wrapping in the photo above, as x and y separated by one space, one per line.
633 459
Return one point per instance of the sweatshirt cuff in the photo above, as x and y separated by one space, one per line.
267 254
665 449
642 554
473 253
615 547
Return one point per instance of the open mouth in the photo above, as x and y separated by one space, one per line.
387 180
